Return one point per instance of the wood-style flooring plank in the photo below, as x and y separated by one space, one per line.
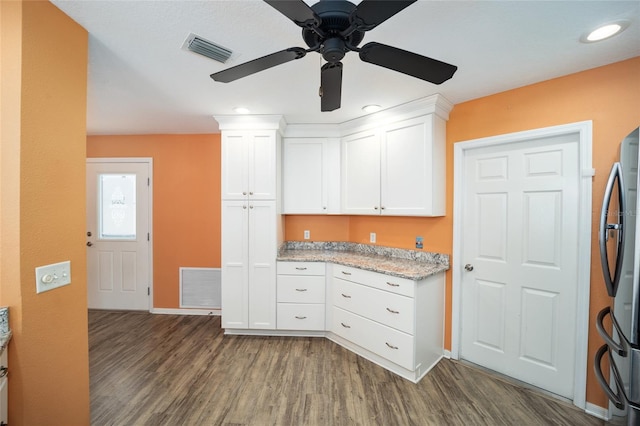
182 370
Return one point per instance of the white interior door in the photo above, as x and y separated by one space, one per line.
118 234
519 243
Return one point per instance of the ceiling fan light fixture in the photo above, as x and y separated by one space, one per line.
604 32
371 108
241 110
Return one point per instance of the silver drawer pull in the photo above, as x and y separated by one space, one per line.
392 311
346 273
345 325
298 317
393 284
346 296
301 269
301 289
391 346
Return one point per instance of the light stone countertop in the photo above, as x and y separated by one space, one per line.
411 264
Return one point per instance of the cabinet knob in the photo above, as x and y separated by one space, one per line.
324 207
250 207
89 243
250 193
244 192
375 208
468 267
244 207
382 208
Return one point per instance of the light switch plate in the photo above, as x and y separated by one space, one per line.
372 237
53 276
307 234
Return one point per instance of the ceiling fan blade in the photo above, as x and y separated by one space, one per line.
409 63
371 13
260 64
296 10
330 86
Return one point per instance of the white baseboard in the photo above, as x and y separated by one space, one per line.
446 354
169 311
597 411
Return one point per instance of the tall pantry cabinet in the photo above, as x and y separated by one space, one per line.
251 222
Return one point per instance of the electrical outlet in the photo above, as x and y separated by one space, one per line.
372 237
307 234
53 276
419 243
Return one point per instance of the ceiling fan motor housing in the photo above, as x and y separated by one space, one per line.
336 18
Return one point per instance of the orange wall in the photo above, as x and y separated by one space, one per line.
44 83
186 202
609 96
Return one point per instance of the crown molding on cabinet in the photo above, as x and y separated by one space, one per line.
251 122
435 104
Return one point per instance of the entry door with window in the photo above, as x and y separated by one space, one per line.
118 234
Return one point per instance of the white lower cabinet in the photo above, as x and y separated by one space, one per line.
301 296
395 322
4 389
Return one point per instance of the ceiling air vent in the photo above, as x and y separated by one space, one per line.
206 48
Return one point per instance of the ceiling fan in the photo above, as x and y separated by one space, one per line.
333 28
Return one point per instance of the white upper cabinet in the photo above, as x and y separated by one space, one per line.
249 165
396 170
311 176
361 173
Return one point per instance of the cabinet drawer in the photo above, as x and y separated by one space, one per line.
301 268
300 316
390 309
373 279
394 345
301 288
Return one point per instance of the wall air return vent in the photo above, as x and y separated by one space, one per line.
197 44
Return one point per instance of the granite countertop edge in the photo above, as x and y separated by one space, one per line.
410 264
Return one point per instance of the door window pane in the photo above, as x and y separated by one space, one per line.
117 208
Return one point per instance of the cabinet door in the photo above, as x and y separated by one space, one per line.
361 173
412 169
249 165
262 264
304 189
235 165
235 269
262 166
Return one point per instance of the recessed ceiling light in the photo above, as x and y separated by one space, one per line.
242 110
604 32
371 108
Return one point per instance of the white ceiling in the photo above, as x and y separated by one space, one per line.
141 81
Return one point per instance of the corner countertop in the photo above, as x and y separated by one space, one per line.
411 264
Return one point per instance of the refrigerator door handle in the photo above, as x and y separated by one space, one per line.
610 280
617 399
621 348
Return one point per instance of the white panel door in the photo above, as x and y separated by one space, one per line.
520 230
361 173
118 235
235 266
262 264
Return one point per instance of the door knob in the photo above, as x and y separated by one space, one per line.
468 267
88 233
89 243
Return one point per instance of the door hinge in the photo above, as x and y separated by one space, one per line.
148 181
148 238
148 291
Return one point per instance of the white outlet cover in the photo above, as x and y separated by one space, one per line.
53 276
307 234
372 237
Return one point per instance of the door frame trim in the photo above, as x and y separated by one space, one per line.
149 162
584 129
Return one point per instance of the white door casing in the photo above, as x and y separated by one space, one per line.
119 259
522 205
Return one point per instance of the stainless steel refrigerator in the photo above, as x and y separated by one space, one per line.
619 323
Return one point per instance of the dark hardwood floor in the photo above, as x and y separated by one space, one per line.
181 370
